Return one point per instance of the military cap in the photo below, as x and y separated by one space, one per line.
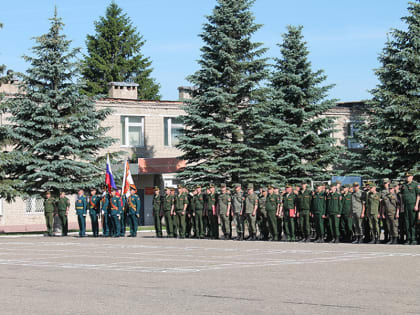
393 185
92 188
386 180
270 187
211 185
347 186
372 185
408 174
333 184
236 185
172 189
155 189
198 186
338 182
167 188
264 188
355 184
288 186
222 185
48 192
180 186
250 186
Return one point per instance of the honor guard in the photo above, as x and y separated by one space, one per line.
81 210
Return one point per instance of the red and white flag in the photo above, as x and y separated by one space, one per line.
128 181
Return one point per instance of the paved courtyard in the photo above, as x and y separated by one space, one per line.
166 276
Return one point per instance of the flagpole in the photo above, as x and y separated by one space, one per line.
124 177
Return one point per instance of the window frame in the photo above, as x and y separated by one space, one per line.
168 128
125 135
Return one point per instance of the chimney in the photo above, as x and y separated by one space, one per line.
186 92
125 90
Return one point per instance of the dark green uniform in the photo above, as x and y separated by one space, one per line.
81 210
62 205
115 211
198 201
123 215
212 216
133 213
318 208
271 205
223 202
157 208
346 216
303 205
263 217
333 211
409 195
94 213
279 217
106 222
180 201
289 210
168 202
49 209
372 211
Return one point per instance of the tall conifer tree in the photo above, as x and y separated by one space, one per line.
55 128
221 141
114 54
391 133
303 146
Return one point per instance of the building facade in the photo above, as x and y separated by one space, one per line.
146 133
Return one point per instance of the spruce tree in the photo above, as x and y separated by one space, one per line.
7 159
114 54
54 127
220 141
391 133
303 146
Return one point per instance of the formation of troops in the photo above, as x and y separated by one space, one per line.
329 213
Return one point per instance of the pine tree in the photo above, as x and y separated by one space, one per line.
391 133
114 54
303 147
220 141
54 127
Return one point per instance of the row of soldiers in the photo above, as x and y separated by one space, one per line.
114 210
329 213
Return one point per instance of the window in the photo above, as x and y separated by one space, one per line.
173 128
352 129
34 206
132 131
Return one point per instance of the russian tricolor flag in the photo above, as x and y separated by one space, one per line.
109 179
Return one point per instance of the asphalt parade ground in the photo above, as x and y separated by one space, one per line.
146 275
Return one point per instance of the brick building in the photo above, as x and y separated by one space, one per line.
147 132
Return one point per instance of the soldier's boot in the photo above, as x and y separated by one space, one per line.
394 241
414 242
253 237
307 239
356 240
372 240
241 237
337 240
390 241
377 240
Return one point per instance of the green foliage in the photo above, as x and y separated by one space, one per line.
114 54
221 142
391 133
54 129
301 138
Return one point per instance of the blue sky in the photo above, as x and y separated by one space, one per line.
344 36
